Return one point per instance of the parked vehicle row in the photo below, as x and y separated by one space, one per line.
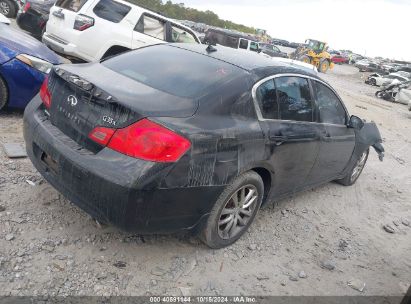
376 79
240 41
367 66
79 29
396 92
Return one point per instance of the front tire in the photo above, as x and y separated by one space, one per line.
324 65
234 211
355 172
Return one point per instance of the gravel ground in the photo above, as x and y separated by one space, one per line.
327 241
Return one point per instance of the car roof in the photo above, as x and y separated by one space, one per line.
252 62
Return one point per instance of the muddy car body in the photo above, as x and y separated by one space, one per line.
92 136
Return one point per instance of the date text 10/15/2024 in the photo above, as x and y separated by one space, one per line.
203 299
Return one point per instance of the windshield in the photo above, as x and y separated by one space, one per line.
173 70
315 45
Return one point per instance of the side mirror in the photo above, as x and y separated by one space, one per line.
356 123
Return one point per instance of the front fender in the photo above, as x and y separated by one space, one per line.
368 136
6 54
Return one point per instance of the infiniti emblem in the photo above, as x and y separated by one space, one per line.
72 100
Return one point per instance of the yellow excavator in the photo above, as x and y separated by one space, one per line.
314 52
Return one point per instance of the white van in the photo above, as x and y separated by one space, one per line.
95 29
231 39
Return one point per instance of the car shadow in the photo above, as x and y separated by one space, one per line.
11 112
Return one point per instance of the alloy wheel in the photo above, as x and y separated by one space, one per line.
4 8
237 212
359 166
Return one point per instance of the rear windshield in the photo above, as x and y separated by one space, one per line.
173 70
111 10
72 5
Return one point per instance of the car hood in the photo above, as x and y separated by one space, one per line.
22 43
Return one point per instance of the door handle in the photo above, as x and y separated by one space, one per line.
326 136
58 14
278 139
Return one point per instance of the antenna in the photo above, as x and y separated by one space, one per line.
210 48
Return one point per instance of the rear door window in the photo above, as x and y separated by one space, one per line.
151 26
267 100
294 98
71 5
111 10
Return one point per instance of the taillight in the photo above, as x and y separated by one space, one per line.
83 22
145 140
45 94
26 7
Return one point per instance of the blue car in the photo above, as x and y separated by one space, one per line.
24 63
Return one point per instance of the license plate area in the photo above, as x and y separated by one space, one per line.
51 164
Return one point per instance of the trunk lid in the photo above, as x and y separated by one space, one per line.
90 95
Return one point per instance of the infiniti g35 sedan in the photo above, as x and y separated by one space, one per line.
188 137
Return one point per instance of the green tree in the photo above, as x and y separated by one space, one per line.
179 11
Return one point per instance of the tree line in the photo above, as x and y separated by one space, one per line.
180 12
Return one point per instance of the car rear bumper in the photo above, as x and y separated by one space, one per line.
113 187
63 47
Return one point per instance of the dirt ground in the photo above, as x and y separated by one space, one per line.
311 244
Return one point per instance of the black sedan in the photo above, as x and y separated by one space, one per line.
272 50
34 17
189 137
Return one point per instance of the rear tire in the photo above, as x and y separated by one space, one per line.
3 93
233 213
8 8
373 82
355 172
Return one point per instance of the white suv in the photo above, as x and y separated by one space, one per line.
95 29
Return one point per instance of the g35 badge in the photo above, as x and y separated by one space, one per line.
109 120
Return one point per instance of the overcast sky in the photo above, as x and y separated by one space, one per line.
368 27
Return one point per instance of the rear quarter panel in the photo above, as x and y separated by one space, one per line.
226 139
